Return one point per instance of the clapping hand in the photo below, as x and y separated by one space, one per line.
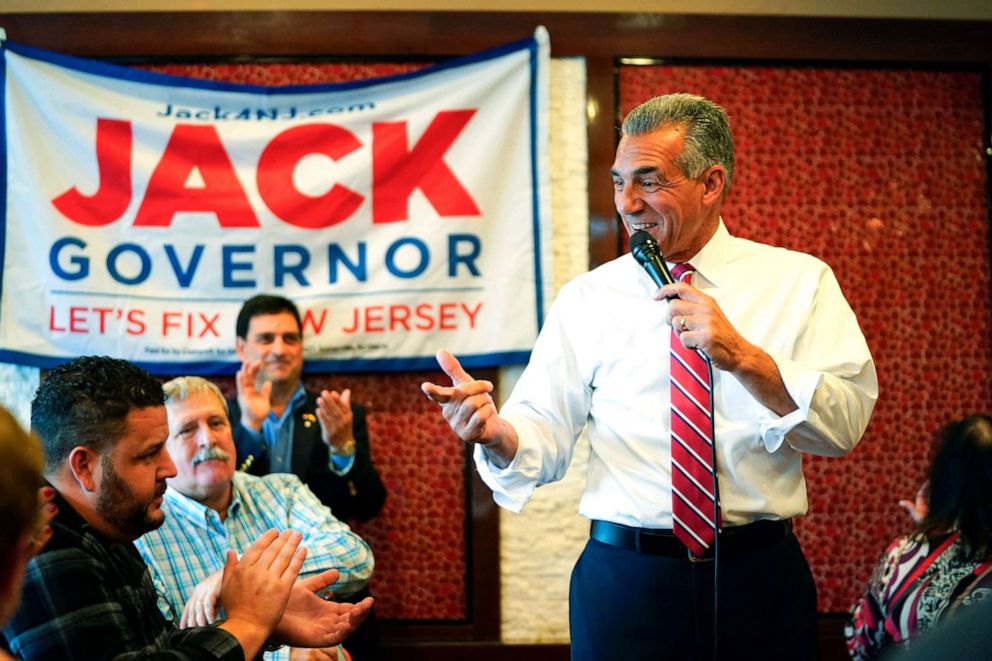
256 588
202 606
313 621
313 654
255 402
336 420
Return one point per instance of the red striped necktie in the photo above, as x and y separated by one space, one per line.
693 488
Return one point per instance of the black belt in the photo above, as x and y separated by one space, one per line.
734 540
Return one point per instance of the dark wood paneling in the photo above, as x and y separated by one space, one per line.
605 232
448 33
833 647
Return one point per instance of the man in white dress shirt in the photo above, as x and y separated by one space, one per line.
792 375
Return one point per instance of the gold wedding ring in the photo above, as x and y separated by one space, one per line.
682 323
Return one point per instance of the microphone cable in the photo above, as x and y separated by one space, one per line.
716 507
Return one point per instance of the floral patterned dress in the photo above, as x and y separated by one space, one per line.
917 583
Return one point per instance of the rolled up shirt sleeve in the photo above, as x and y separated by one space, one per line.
830 376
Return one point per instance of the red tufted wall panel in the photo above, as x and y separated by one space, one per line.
419 539
880 173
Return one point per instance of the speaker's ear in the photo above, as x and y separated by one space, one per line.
714 179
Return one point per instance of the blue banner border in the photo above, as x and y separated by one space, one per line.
310 365
111 70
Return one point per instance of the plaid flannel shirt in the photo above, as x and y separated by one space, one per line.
86 597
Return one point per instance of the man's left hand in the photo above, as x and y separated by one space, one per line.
700 324
335 417
202 605
311 621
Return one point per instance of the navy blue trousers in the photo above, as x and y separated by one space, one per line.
632 607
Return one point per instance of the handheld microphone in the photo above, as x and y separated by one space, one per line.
647 252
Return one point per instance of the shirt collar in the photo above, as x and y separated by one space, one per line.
299 395
711 259
68 516
237 487
184 506
297 400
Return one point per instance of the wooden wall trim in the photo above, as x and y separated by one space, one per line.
605 233
314 33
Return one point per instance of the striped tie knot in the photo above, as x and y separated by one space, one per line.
682 272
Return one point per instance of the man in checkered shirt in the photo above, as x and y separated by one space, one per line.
211 509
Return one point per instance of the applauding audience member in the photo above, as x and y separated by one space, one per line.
279 427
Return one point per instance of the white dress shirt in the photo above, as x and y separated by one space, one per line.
601 363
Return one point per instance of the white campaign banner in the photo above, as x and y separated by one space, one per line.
402 214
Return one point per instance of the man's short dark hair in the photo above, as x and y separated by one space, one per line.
263 304
86 402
